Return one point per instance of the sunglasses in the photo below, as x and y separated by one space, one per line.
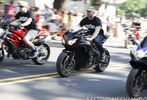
21 6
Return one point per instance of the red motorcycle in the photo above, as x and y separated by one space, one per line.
11 40
131 34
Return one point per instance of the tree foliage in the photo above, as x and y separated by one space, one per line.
133 8
58 4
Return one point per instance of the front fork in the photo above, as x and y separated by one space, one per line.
71 57
143 77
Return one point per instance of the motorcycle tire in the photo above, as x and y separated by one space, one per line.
63 67
101 67
44 60
132 82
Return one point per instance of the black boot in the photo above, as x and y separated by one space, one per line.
102 58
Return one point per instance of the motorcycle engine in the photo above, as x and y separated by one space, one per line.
24 52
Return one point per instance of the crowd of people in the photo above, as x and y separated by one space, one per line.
56 22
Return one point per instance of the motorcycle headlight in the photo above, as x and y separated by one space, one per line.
71 42
139 54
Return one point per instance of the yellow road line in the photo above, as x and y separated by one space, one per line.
39 75
26 80
29 76
39 78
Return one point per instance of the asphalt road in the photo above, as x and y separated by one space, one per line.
23 80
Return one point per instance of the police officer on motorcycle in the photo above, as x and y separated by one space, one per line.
94 24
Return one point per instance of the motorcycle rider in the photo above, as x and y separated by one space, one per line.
26 18
136 24
94 24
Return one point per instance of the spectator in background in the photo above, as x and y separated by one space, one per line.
70 18
57 16
2 12
47 13
63 23
108 24
11 12
65 20
8 17
123 21
136 24
37 15
53 25
12 6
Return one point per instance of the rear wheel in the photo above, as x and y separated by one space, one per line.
102 66
44 53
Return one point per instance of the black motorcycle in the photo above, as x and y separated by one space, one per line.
80 53
137 79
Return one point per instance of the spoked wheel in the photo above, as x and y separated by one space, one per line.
135 84
65 64
102 66
44 53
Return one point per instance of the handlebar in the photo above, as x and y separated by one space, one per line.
16 27
81 33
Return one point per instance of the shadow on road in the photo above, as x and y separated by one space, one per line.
81 85
14 68
120 57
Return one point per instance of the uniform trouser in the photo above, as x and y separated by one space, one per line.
98 41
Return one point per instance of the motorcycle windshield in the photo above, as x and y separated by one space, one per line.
69 36
5 20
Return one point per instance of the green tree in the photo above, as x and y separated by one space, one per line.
133 8
143 11
59 4
2 0
96 3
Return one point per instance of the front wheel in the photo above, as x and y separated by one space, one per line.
1 55
101 67
44 53
65 64
134 85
